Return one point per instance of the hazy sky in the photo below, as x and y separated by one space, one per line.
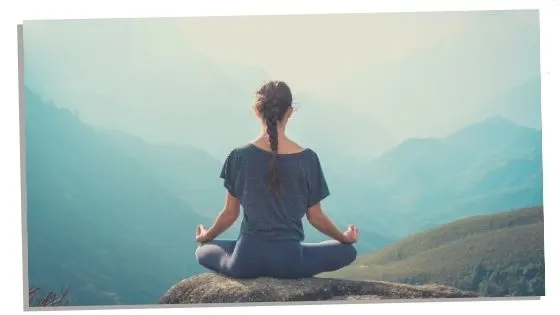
311 51
416 74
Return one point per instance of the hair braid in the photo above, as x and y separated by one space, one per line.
273 100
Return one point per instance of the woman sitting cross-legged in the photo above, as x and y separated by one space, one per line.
277 183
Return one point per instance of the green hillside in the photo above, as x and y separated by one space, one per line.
494 255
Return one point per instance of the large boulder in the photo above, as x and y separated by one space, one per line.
214 288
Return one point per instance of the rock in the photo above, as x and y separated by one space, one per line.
214 288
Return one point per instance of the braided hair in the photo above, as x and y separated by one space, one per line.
274 98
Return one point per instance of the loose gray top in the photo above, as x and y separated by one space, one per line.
269 217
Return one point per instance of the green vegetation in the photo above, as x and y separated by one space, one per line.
494 255
51 298
111 214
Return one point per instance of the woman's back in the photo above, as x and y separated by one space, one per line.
271 234
267 215
276 182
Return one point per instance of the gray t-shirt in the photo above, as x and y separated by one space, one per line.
302 186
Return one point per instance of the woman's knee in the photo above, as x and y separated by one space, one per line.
205 256
348 254
200 254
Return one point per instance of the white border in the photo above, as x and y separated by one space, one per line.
10 203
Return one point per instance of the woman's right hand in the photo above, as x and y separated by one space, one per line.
351 234
201 234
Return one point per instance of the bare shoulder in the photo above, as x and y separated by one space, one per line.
294 147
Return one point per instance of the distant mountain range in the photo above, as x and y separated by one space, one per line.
97 220
520 104
487 167
190 174
494 255
193 94
101 200
113 215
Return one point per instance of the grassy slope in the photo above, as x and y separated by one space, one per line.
449 253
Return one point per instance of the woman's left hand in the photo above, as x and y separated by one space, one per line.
201 233
352 234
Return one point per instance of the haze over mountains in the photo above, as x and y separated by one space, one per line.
99 201
128 124
163 81
493 165
486 68
96 219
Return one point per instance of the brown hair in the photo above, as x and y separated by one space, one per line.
273 99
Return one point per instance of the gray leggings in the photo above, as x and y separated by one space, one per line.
251 257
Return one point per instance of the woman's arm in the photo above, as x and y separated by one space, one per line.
225 218
321 222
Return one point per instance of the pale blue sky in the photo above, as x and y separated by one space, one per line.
416 74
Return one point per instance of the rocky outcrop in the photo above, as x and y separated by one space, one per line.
213 288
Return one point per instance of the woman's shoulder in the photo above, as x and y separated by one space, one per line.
237 151
304 150
243 150
297 148
295 151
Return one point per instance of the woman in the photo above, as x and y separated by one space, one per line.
278 183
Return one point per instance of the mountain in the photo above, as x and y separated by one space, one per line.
97 220
185 171
497 137
119 204
164 90
486 167
123 74
112 215
201 103
191 174
520 104
188 173
494 255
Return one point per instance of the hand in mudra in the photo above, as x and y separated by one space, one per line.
201 233
352 234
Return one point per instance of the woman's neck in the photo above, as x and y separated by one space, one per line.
281 132
263 136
